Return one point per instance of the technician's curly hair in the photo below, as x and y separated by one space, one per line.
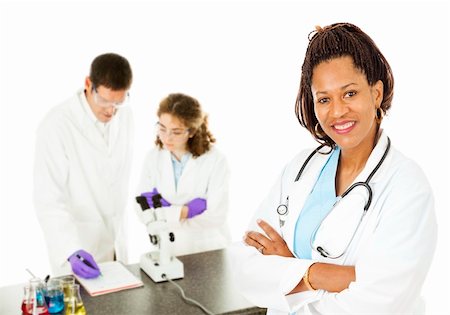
188 110
333 41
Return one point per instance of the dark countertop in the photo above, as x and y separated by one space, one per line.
208 280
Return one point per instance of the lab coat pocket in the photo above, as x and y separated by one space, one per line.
337 230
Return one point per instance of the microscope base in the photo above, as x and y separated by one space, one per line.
172 270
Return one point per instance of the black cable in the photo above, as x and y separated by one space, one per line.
189 300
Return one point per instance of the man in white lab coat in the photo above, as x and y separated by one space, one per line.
81 172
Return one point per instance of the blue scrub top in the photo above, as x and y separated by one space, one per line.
317 206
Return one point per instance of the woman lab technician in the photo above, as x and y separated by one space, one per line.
307 255
190 174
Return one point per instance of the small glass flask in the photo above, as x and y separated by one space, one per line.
66 282
54 295
33 302
73 304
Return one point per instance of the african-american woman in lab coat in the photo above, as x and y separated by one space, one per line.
315 257
190 174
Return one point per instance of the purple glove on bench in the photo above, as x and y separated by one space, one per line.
195 207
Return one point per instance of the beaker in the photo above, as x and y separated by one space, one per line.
54 296
33 302
66 282
74 304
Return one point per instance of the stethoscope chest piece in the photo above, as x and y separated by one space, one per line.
282 210
282 213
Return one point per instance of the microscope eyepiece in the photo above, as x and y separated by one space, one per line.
143 202
157 201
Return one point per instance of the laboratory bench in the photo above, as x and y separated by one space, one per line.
207 279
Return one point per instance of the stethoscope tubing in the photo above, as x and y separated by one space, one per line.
365 184
320 249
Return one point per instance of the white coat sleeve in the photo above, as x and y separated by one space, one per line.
217 198
265 280
392 269
51 170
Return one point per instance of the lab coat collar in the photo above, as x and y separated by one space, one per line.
190 164
167 166
373 160
86 107
86 119
184 158
166 171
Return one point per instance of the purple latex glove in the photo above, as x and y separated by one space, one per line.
149 195
195 207
84 265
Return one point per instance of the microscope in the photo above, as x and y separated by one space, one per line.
160 265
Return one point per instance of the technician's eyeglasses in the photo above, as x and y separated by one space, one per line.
100 101
176 133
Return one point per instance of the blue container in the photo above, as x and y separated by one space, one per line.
55 301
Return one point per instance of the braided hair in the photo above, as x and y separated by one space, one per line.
334 41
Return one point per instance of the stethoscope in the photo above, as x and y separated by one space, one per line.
283 209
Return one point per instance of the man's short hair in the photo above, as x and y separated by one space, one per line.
112 71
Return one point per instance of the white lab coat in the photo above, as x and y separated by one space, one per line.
81 183
206 176
392 250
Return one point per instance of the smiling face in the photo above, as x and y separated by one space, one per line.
345 104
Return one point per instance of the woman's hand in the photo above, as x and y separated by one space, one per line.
329 277
270 244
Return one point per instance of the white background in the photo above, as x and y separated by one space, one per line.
242 61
